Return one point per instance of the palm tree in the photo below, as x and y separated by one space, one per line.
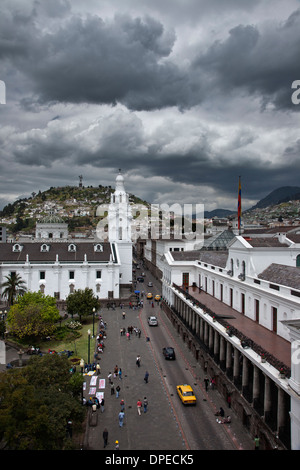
13 287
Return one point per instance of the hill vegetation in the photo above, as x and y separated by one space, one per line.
75 205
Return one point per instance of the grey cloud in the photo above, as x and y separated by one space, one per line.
261 61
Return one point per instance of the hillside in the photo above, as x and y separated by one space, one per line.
283 194
75 205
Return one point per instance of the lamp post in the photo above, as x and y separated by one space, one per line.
89 342
94 310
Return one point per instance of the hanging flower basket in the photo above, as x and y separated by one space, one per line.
263 357
282 373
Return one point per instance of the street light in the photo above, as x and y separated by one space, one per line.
89 342
94 310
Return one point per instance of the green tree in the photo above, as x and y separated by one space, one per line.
36 404
14 286
34 315
82 302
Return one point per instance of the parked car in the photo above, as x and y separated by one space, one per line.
169 353
152 321
186 394
140 279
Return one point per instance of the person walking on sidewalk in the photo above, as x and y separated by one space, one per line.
138 361
121 418
102 405
145 404
105 437
146 378
139 406
118 388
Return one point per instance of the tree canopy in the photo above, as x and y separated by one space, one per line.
14 286
37 402
33 316
82 302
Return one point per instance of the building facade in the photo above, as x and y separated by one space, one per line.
56 264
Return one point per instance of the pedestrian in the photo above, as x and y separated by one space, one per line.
139 406
138 361
120 373
206 383
229 401
109 378
122 403
105 437
117 446
145 404
121 418
98 368
102 405
118 388
213 383
112 389
146 377
256 442
116 369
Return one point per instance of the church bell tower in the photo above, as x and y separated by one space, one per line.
119 229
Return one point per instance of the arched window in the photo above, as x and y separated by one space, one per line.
98 247
17 247
72 247
45 247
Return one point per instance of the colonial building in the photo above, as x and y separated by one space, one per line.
239 311
56 264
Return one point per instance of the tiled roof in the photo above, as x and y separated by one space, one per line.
216 258
265 242
33 250
280 274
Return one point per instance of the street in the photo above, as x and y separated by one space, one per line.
168 424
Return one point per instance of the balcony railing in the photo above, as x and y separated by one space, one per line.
232 331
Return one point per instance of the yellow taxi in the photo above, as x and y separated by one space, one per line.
157 297
186 394
149 295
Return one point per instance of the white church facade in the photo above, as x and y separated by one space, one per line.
56 264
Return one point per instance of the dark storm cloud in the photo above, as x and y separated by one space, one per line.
258 61
129 60
84 88
89 60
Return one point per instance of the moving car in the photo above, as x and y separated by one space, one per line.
150 284
140 279
157 297
152 321
169 353
149 295
186 394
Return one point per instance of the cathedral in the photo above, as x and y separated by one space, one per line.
57 265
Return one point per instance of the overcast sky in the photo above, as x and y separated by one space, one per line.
182 95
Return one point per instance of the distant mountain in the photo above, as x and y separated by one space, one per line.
218 213
284 194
